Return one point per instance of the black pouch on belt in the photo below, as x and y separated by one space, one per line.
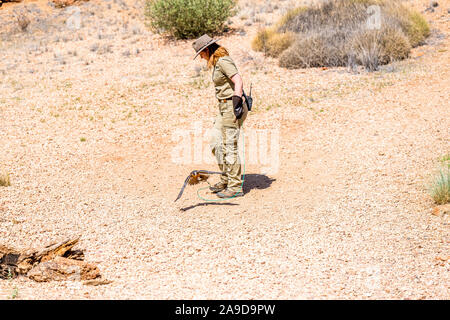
238 107
248 99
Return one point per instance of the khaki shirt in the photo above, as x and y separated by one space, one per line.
221 76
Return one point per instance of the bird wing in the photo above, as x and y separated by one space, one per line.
192 174
203 175
184 185
209 172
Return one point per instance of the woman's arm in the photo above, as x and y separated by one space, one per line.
238 85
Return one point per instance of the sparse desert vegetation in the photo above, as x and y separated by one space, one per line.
440 190
5 180
341 32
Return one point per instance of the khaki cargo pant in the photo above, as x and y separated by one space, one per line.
224 144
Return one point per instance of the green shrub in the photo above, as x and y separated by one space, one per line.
335 32
185 19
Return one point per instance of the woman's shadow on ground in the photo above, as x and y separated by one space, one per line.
256 181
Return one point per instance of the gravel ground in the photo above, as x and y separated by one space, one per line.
88 122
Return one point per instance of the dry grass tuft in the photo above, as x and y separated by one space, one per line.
314 50
23 21
5 180
367 49
290 15
395 44
372 48
411 22
271 42
440 189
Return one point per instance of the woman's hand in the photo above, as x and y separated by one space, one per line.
238 107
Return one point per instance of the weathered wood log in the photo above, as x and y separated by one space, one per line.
61 268
3 1
75 254
14 262
56 250
65 3
55 262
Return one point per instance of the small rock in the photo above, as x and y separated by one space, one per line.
136 30
197 70
106 48
436 212
34 9
441 210
443 258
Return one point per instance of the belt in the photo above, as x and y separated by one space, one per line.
225 100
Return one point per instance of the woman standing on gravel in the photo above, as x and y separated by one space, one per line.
232 113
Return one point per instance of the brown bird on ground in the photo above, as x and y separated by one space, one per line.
196 177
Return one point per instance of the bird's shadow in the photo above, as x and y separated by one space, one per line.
208 204
256 181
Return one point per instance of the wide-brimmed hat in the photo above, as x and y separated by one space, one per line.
201 43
